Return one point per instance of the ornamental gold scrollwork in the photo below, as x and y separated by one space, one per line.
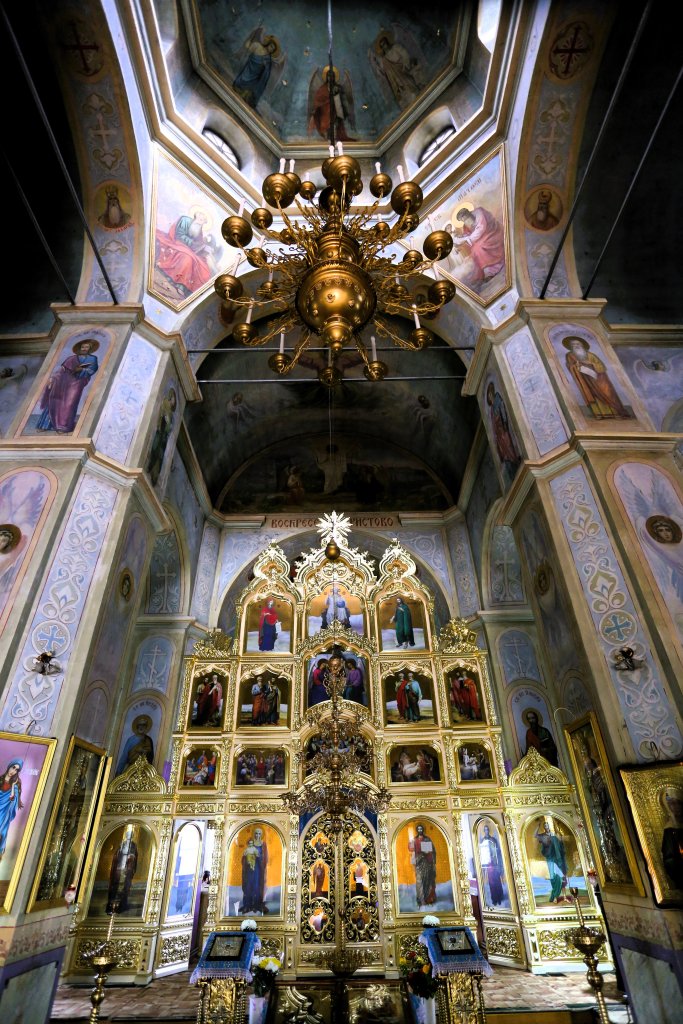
339 635
216 645
385 870
519 874
553 946
354 832
462 869
126 952
254 806
139 777
502 942
174 949
318 913
122 809
456 637
534 770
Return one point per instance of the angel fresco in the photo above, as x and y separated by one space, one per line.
340 101
397 63
256 79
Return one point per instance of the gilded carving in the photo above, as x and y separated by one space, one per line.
534 770
456 637
502 942
174 949
553 946
215 646
140 777
126 952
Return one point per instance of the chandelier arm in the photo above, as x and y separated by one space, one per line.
386 332
361 349
283 324
300 348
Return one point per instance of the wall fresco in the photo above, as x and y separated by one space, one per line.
656 373
127 399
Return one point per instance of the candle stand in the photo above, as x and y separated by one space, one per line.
588 941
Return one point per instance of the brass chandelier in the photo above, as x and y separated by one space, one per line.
335 769
333 277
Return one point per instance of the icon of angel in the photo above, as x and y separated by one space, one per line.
263 69
396 60
339 104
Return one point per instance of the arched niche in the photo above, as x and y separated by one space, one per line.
183 873
124 862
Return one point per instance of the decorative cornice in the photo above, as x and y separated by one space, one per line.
140 777
562 309
105 312
173 342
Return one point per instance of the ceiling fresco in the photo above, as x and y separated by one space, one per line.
271 58
268 445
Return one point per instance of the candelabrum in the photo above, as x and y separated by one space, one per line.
343 754
332 275
104 961
588 941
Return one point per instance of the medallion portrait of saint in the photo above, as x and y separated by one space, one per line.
402 623
207 704
423 868
408 698
263 700
254 882
269 625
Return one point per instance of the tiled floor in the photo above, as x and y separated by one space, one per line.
173 999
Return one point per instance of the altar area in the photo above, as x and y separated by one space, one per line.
423 816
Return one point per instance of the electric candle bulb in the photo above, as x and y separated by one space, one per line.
373 347
429 221
416 317
399 171
437 275
291 166
332 151
240 212
282 165
378 167
340 149
250 310
398 279
282 342
270 274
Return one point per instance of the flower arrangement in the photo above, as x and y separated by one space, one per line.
417 970
249 925
430 921
264 970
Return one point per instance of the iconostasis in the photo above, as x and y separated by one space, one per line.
216 844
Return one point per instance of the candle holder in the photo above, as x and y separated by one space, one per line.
588 941
103 963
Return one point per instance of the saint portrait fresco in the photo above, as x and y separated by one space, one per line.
502 433
464 695
200 767
408 698
327 84
165 423
264 699
69 384
414 763
477 222
207 700
538 736
260 766
269 626
356 678
423 868
140 734
263 67
122 872
254 882
188 250
591 379
25 497
402 624
335 604
474 762
495 891
554 862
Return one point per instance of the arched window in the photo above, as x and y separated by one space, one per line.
222 146
437 143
